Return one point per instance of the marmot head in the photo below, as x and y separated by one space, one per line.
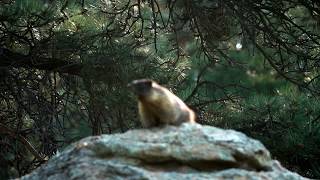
141 87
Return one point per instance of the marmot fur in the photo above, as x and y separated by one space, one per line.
158 106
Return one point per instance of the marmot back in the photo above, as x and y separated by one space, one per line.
159 106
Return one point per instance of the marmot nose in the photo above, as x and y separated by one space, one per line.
129 85
132 84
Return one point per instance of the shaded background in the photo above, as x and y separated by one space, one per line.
248 65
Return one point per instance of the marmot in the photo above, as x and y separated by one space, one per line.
158 106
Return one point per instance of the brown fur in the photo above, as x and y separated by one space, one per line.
158 106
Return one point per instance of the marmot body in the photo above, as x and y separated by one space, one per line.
158 106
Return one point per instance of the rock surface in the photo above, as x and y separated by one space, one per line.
190 151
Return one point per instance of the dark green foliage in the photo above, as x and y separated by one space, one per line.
287 123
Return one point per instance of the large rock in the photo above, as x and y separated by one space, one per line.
190 151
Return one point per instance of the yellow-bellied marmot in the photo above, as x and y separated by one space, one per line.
158 106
